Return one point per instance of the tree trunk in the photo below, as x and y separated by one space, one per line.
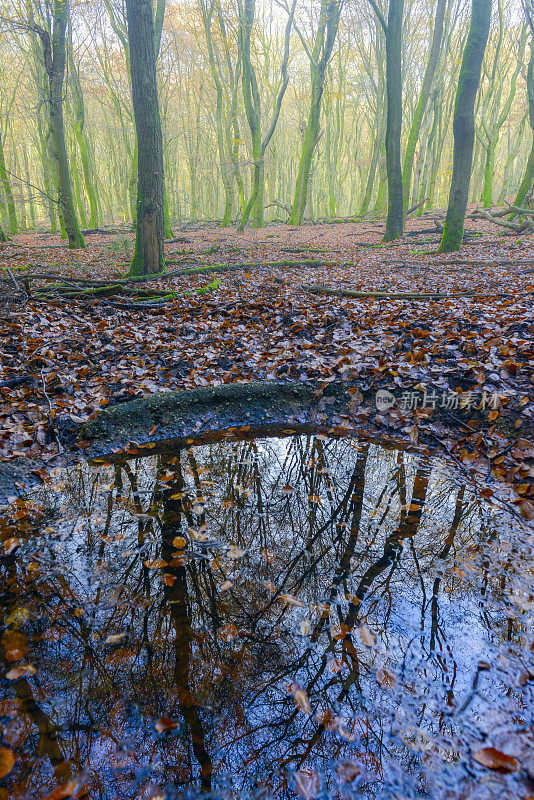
150 228
464 125
424 96
528 178
84 144
5 183
395 217
56 75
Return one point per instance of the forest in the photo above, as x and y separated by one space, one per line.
266 399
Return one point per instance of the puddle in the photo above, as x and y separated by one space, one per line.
293 616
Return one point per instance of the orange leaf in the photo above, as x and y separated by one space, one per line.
7 761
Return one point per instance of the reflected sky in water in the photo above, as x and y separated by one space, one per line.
278 617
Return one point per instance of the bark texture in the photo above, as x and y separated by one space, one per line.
395 217
150 227
464 125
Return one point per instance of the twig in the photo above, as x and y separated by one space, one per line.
52 426
414 208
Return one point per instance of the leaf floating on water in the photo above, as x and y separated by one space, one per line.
348 770
156 563
115 637
335 665
14 655
167 579
67 790
225 585
235 552
367 637
495 759
304 627
290 600
307 783
287 490
227 632
300 697
164 724
7 761
385 677
10 545
179 542
22 671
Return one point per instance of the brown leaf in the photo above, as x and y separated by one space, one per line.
165 724
348 770
156 563
67 790
115 637
289 600
496 759
301 698
367 636
307 783
227 632
7 761
14 655
22 671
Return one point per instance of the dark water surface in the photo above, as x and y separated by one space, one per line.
277 617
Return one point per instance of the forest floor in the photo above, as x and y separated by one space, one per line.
460 367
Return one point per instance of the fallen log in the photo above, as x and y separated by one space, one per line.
160 276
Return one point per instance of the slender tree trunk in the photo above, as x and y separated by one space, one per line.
395 217
324 43
150 229
526 184
56 75
464 125
5 184
308 148
83 142
424 96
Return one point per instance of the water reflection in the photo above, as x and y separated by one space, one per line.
264 617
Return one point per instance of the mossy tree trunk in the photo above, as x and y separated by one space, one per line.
56 75
422 102
323 46
83 142
525 187
150 228
464 125
395 216
5 184
54 57
252 101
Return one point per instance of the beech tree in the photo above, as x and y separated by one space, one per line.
393 33
319 56
464 125
150 226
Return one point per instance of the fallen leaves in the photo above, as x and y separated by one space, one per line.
266 331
